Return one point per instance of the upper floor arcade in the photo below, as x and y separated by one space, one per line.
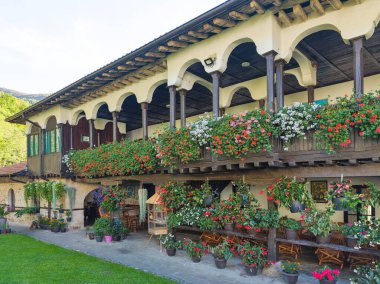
238 56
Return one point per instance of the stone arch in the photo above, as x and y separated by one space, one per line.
74 118
94 110
49 120
120 100
11 200
180 73
151 90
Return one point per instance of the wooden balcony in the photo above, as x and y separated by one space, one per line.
33 164
52 165
301 152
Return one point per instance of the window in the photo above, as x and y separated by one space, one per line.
356 215
33 145
52 141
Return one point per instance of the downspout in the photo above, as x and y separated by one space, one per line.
42 143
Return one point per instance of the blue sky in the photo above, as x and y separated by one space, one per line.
46 45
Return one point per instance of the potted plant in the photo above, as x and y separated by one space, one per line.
68 215
100 226
63 226
195 250
222 253
291 228
116 230
207 193
55 226
289 193
254 257
124 232
341 193
290 271
349 231
169 243
367 274
3 213
326 275
44 223
108 234
61 210
226 210
318 222
90 235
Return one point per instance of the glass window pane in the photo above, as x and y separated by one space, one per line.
52 139
58 140
47 142
36 144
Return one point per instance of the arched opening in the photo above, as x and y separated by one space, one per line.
241 96
105 135
52 136
81 133
91 206
130 113
11 200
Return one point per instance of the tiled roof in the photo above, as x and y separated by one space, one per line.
13 169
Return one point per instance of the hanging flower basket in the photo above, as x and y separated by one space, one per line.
296 206
339 203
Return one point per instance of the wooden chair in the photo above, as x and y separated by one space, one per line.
291 250
211 239
325 255
104 213
356 259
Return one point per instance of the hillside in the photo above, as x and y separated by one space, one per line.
32 98
12 136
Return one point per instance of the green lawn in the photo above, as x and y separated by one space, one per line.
26 260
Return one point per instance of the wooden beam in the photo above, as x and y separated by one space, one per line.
167 49
317 6
336 4
158 68
145 59
179 44
197 35
211 29
258 8
277 3
135 63
125 68
299 12
147 72
238 16
188 39
284 19
155 54
224 23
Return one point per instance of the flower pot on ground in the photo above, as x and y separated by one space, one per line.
291 228
63 226
169 243
290 271
222 253
101 227
68 215
3 213
326 275
254 257
251 270
99 239
108 239
55 226
195 250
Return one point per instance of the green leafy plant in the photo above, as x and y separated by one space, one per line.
290 267
102 226
26 210
3 212
318 222
168 241
367 274
194 249
291 224
224 250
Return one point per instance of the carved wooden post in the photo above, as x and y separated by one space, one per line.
144 118
182 96
115 115
357 44
280 64
91 127
310 94
269 57
215 93
172 92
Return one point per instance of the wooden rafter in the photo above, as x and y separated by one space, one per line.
163 48
238 16
336 4
144 59
317 6
211 29
258 8
125 68
223 22
188 39
299 12
277 3
179 44
284 19
155 54
158 68
197 35
135 63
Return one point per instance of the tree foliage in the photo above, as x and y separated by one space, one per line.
12 136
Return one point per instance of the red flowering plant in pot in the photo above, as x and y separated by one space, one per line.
334 124
195 250
174 195
235 136
176 147
326 275
227 210
367 117
113 197
289 193
254 257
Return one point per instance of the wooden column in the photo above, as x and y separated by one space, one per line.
269 57
357 44
172 92
261 103
42 150
222 111
272 245
310 94
71 137
115 115
91 127
215 93
280 64
144 118
182 96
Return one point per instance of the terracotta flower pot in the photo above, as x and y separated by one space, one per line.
291 234
171 251
290 278
323 239
220 263
251 271
196 259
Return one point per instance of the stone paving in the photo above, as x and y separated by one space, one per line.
138 252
